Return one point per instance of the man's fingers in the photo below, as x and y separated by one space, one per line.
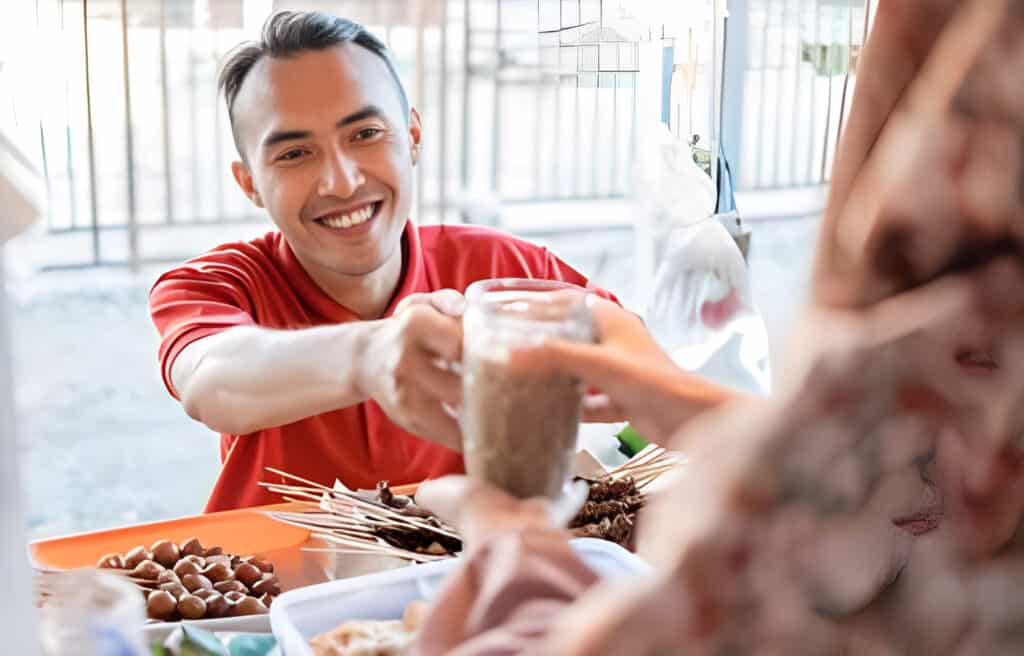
417 409
449 301
409 301
432 422
435 332
446 301
442 384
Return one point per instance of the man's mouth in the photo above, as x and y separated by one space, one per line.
350 218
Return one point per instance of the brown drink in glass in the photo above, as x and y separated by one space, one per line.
520 418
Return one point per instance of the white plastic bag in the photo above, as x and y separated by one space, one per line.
700 308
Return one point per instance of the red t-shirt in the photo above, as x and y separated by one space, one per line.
262 283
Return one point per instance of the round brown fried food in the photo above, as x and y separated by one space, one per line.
218 572
193 582
217 605
234 597
165 552
248 606
248 573
186 567
111 561
268 584
225 587
148 570
161 605
192 547
191 607
176 590
136 556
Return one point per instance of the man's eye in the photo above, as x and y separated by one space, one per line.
292 154
367 133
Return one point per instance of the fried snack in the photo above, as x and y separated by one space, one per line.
194 582
608 514
369 637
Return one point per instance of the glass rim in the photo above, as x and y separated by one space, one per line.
476 291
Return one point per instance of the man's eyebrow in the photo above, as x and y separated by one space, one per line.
275 138
370 111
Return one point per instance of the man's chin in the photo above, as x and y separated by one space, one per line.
356 270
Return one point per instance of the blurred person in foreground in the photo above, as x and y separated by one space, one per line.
874 506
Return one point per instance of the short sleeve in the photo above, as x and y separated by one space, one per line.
557 269
192 302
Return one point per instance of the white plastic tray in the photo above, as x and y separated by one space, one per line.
299 615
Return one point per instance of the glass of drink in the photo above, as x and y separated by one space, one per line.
520 418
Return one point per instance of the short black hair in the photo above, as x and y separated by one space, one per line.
288 33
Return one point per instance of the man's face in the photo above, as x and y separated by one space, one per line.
329 155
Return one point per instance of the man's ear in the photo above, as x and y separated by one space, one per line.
244 179
415 132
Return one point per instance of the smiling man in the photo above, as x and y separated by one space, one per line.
321 348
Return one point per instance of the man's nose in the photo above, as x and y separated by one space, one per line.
340 175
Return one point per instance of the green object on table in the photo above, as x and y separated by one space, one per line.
630 441
196 642
252 644
190 641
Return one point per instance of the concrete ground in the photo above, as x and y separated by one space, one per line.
103 444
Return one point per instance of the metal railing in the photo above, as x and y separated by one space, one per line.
799 63
135 142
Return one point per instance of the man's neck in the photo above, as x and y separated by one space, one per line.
368 296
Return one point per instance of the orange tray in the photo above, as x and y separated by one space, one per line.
244 532
236 531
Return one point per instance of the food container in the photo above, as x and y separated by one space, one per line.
520 418
298 616
244 532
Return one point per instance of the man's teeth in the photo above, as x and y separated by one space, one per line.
350 219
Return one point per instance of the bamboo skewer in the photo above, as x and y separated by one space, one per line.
349 522
348 529
361 551
377 547
355 501
652 456
391 518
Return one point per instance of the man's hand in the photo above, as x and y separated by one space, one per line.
636 379
406 367
446 301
